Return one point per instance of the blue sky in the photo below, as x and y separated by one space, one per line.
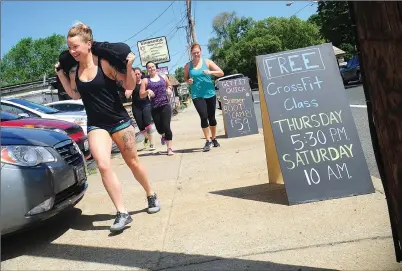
119 20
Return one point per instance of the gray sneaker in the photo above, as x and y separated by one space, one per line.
120 222
153 204
207 146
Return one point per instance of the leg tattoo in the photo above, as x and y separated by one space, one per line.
129 140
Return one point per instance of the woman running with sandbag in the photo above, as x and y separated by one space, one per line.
96 82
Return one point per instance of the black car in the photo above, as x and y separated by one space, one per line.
351 72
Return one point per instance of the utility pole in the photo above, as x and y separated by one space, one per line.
193 38
381 47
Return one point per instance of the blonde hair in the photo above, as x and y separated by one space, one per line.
82 30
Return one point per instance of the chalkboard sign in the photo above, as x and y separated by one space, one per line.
237 107
316 140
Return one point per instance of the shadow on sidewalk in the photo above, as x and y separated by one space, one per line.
191 150
155 260
270 193
218 137
45 233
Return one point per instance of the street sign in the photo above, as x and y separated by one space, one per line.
155 49
237 107
310 135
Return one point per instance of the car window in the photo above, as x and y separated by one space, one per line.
74 107
60 107
16 110
68 107
5 116
38 107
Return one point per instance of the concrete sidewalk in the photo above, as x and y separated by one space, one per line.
218 213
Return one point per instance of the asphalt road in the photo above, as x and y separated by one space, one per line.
357 102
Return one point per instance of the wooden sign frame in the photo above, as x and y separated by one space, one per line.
274 170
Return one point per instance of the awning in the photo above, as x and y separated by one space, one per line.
338 51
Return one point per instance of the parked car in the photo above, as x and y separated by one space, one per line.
351 72
68 105
43 172
73 130
27 108
227 77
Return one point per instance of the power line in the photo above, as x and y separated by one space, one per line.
150 22
150 36
178 61
302 8
176 26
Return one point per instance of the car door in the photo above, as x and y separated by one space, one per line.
350 69
17 110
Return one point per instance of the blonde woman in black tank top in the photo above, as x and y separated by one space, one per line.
96 81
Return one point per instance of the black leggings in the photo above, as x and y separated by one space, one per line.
206 109
162 116
142 116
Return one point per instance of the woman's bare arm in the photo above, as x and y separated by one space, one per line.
186 72
69 82
143 88
214 69
126 81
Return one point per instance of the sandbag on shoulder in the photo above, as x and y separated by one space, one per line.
115 53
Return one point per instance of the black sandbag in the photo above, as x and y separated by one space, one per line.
114 53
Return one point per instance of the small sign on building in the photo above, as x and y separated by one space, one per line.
155 50
163 70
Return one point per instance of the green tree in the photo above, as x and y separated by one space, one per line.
315 19
228 29
30 59
179 74
245 39
335 24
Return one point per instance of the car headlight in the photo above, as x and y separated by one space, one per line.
77 148
80 121
60 131
27 156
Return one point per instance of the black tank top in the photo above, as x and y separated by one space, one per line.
137 101
101 99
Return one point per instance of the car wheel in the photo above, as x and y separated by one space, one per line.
343 80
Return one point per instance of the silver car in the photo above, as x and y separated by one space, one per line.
42 173
27 108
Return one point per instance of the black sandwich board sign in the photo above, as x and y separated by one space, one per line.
315 138
237 107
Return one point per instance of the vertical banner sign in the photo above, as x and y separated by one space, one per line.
163 70
316 140
237 107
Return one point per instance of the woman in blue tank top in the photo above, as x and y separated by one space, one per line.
96 82
198 73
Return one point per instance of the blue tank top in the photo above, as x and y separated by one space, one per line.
202 86
159 88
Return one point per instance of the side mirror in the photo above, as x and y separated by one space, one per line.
24 115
